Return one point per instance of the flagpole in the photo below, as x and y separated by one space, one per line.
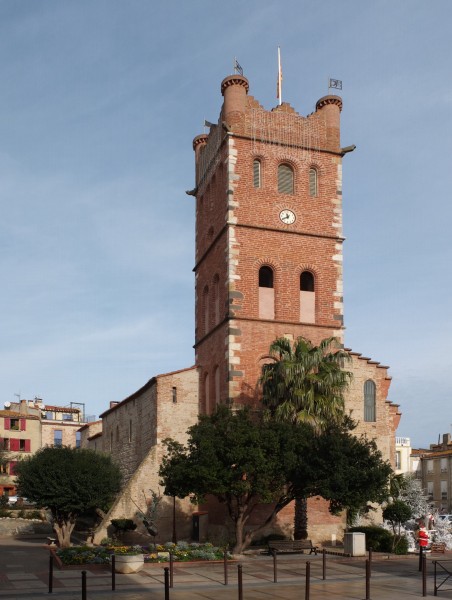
279 76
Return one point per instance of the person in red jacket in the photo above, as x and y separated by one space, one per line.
423 537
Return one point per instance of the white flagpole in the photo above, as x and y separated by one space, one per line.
279 77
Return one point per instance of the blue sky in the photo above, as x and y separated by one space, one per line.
99 103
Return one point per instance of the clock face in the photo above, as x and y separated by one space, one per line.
287 216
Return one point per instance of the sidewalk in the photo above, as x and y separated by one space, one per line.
24 568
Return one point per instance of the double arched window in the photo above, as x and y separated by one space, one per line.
285 179
370 401
266 293
307 297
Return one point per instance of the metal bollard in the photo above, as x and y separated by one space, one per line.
421 552
324 564
166 577
308 580
367 580
275 567
50 574
370 559
225 561
424 575
171 570
113 572
240 581
83 585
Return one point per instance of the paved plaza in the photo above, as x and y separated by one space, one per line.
24 574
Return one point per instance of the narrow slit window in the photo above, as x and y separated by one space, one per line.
313 182
369 401
285 179
257 173
265 277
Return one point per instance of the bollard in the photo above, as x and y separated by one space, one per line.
367 580
83 585
275 568
324 564
113 572
50 574
424 575
370 559
421 549
166 570
240 582
225 561
308 580
435 589
171 571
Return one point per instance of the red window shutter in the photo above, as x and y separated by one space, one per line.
7 423
12 467
14 444
23 424
27 446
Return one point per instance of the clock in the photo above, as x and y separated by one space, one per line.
287 216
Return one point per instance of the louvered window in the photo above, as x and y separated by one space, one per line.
285 179
257 173
369 401
313 182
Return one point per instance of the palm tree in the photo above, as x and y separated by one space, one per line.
305 383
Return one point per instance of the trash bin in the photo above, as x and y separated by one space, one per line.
355 544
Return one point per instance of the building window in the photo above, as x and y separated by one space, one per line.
430 490
444 465
207 393
205 300
369 401
217 385
216 299
49 415
67 417
24 445
78 439
15 424
307 297
285 179
174 395
443 490
4 444
57 438
313 189
257 173
430 466
266 293
397 459
4 468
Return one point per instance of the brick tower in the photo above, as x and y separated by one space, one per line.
268 237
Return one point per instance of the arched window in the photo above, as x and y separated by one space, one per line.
257 175
266 293
307 297
205 309
369 401
313 182
216 299
285 179
207 393
217 386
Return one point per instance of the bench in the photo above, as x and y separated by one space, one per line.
291 546
51 541
438 547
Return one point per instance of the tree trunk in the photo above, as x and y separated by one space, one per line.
63 530
239 526
301 519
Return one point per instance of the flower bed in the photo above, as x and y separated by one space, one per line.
181 552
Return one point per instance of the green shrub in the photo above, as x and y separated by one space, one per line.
400 545
123 524
377 538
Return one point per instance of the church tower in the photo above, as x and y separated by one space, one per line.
268 237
